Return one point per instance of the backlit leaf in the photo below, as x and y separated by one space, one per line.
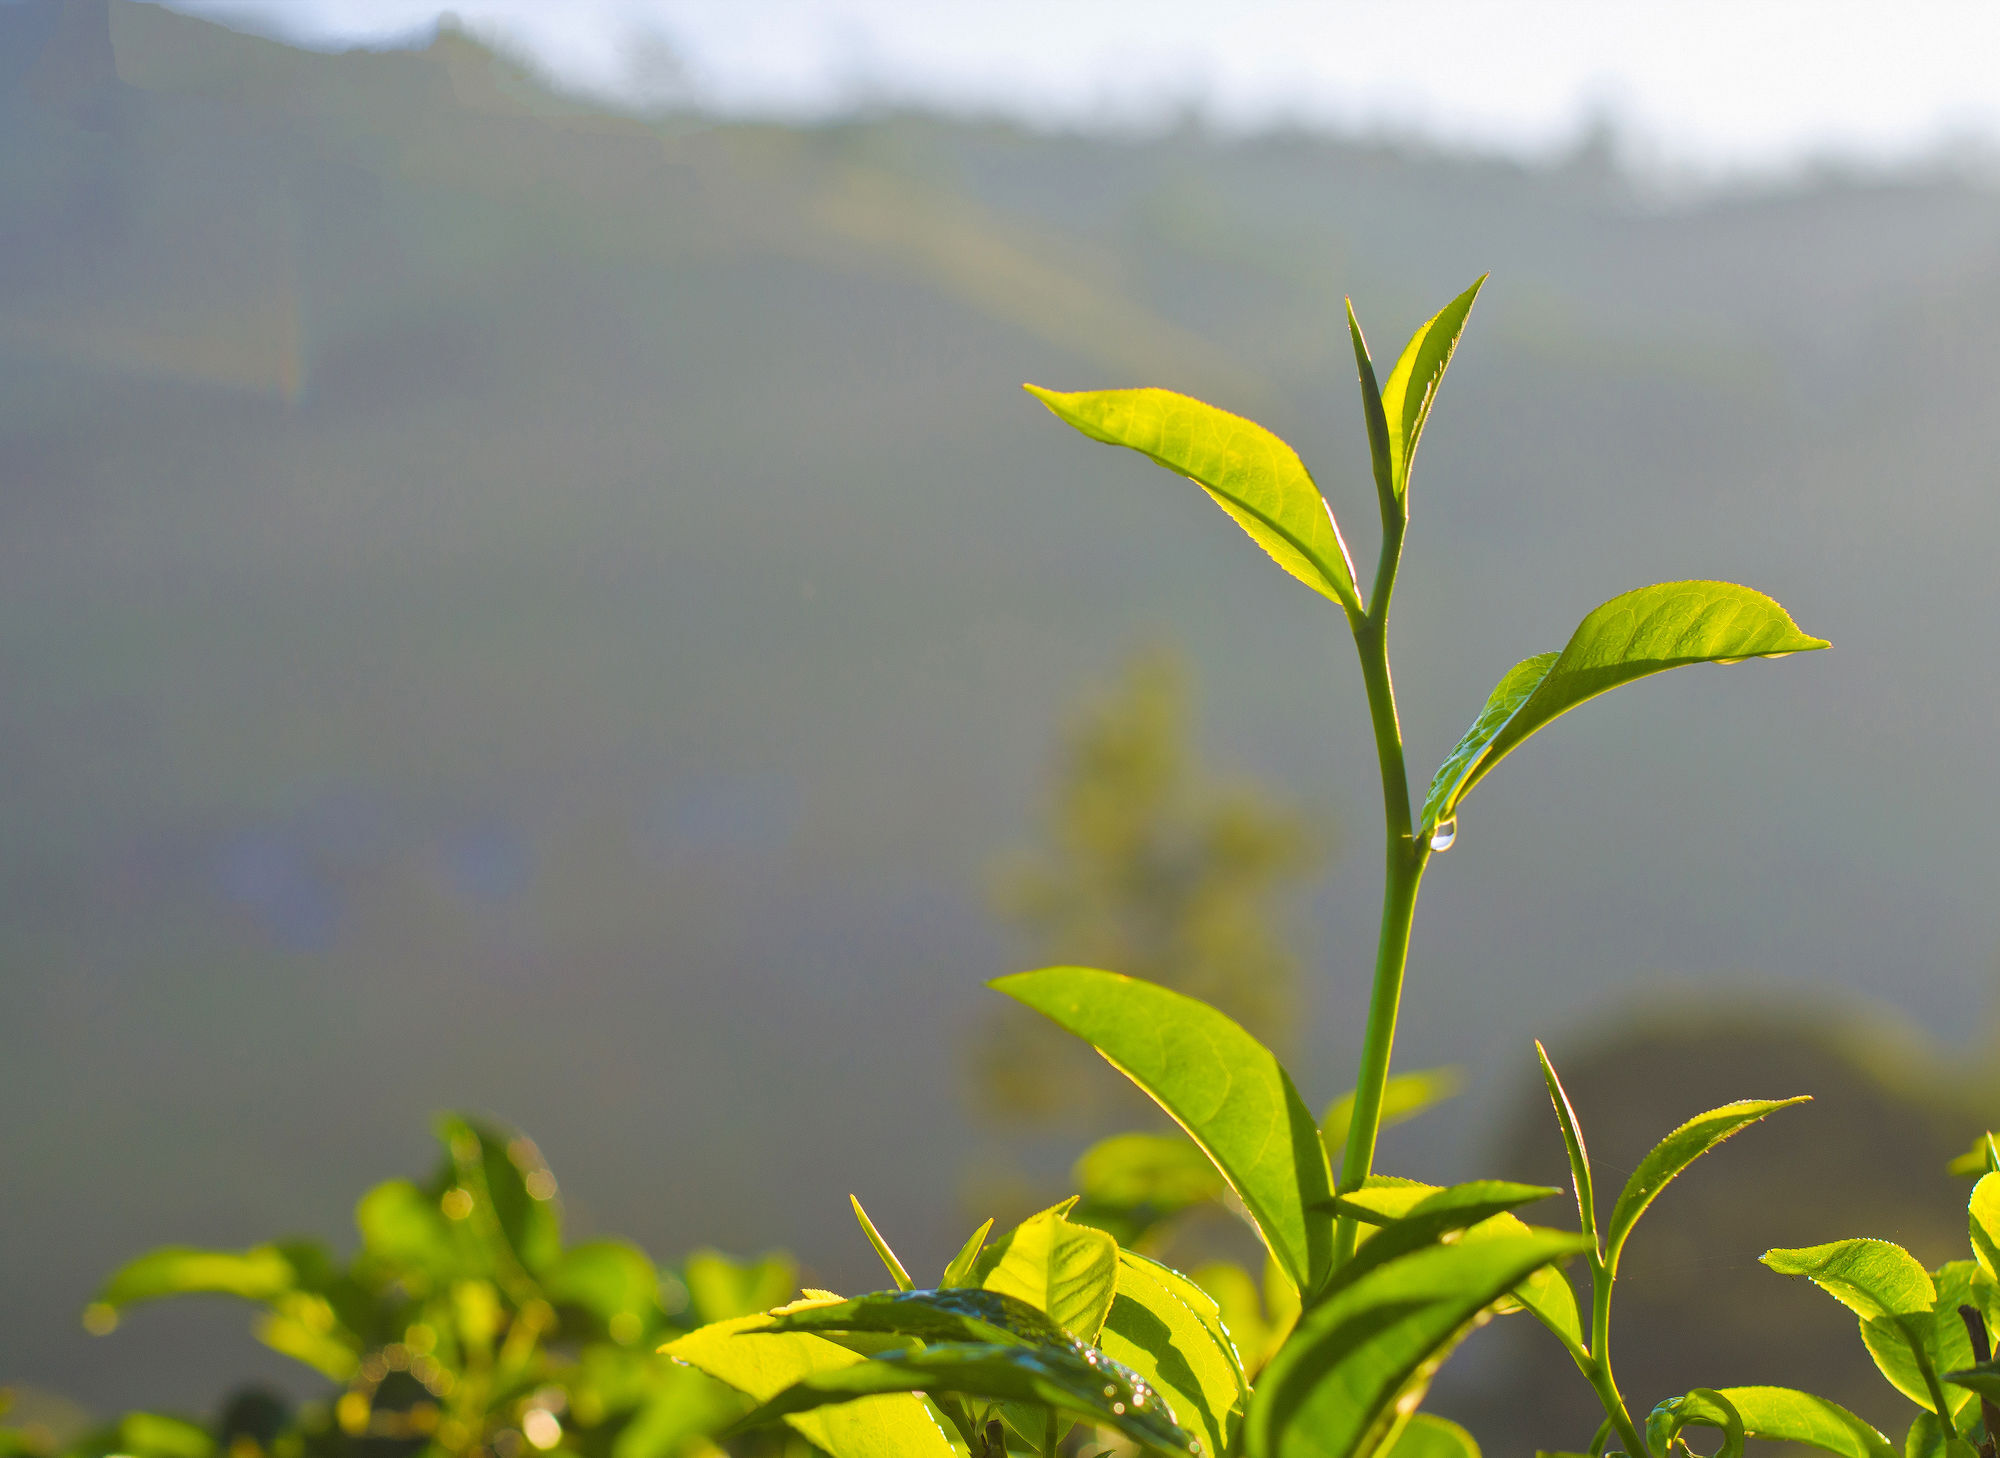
1132 1182
1983 1215
1427 1435
895 1267
1643 632
762 1365
1703 1406
1573 1147
959 1271
1170 1332
1220 1084
258 1274
1334 1389
1250 473
1068 1271
1404 1096
1675 1153
1411 389
1087 1385
1782 1415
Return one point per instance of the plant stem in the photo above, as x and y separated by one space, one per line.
1598 1369
1403 872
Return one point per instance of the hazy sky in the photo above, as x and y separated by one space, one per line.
1716 83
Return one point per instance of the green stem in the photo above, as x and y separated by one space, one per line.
1403 872
1598 1369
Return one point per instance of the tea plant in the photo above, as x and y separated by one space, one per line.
463 1325
1374 1279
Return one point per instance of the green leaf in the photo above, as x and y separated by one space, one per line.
1983 1215
961 1314
1871 1278
896 1272
1379 452
720 1288
1573 1146
1941 1336
1438 1214
1412 385
763 1365
1642 632
1982 1159
1703 1406
611 1279
1087 1384
682 1404
1250 473
1982 1378
1069 1271
1132 1182
1220 1084
404 1235
259 1274
1675 1153
1404 1096
1547 1294
1895 1298
1334 1389
1430 1436
1170 1332
513 1209
153 1435
959 1272
1782 1415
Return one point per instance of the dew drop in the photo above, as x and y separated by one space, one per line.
1118 1408
1110 1391
1444 834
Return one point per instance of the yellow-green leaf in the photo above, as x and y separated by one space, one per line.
1249 472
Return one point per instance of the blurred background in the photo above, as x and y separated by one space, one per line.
527 582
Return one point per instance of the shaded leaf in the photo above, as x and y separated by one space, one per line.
1220 1084
1334 1389
1250 473
1086 1384
720 1288
1705 1407
258 1274
895 1267
611 1279
1639 633
1675 1153
512 1194
762 1365
1170 1332
1429 1436
1379 453
1131 1182
1404 1096
1411 389
959 1271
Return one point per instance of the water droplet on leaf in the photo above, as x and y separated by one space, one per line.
1444 834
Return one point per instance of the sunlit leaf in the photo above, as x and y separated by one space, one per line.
1982 1159
1941 1334
1087 1384
1573 1147
1546 1294
1380 454
1334 1389
1170 1332
1675 1153
1411 389
963 1314
1220 1084
1983 1215
1250 473
683 1404
1425 1221
1892 1294
1782 1415
154 1435
1069 1271
762 1365
888 1257
1404 1096
1643 632
405 1237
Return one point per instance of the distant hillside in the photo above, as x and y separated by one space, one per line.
504 604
